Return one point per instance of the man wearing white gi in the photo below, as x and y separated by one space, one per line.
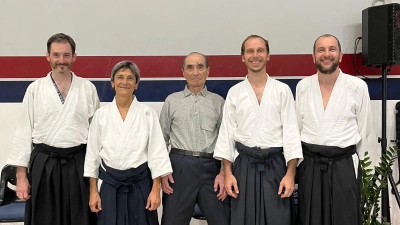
50 142
334 116
190 120
259 134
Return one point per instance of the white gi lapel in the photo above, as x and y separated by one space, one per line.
122 126
64 108
335 107
252 95
259 109
52 93
116 117
318 102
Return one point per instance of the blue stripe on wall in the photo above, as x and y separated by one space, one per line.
158 90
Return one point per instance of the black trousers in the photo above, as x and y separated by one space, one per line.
259 173
194 180
124 196
329 191
59 192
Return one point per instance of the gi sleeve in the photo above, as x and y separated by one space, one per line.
93 148
225 146
22 141
158 158
290 131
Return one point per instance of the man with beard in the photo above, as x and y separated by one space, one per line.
334 115
259 133
50 142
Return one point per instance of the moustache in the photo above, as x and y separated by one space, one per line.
61 64
329 58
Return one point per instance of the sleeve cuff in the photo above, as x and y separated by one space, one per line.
91 174
298 156
162 173
221 156
17 163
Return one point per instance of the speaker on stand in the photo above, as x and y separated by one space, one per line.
381 48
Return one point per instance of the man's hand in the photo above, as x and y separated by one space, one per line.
286 187
165 184
154 200
23 186
231 185
230 180
94 201
219 183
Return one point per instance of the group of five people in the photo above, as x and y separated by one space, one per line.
236 158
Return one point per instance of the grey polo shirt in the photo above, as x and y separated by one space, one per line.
191 122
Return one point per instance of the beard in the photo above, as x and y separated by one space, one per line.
329 70
66 65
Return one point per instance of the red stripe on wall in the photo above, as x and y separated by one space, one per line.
169 66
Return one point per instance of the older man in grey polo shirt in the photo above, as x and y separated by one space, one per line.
190 121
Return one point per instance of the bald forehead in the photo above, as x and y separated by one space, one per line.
326 42
258 39
194 59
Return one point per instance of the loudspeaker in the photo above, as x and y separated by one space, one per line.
381 35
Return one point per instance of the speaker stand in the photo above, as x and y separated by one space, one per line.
385 193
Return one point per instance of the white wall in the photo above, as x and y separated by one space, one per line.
176 27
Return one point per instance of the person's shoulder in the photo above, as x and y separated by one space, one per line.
36 83
306 80
86 85
146 109
85 81
41 79
215 96
304 85
354 80
237 86
104 110
236 89
355 84
279 85
175 95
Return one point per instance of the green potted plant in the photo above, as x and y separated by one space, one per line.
373 181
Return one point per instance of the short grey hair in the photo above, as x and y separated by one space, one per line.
126 64
198 53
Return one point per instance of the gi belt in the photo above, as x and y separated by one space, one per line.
62 154
256 155
325 163
192 153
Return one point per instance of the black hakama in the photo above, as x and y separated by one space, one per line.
329 191
124 196
59 192
258 173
